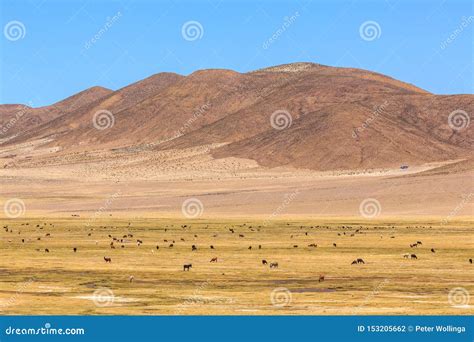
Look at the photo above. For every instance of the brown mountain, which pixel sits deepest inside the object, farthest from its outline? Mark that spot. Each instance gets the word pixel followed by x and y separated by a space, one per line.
pixel 17 119
pixel 325 118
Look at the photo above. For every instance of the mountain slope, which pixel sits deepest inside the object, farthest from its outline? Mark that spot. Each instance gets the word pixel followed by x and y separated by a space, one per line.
pixel 77 124
pixel 300 115
pixel 16 119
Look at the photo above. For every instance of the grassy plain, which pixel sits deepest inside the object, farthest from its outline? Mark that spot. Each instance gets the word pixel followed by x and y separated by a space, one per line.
pixel 33 281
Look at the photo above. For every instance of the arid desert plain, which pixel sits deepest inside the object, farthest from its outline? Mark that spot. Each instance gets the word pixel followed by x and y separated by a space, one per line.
pixel 184 195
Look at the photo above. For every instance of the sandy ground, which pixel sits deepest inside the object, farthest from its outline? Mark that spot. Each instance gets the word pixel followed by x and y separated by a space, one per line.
pixel 57 201
pixel 431 196
pixel 48 181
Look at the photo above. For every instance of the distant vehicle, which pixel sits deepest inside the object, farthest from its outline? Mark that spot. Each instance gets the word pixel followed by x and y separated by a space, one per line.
pixel 404 167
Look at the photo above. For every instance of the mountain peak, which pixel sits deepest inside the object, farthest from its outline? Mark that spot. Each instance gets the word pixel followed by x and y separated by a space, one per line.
pixel 285 115
pixel 290 67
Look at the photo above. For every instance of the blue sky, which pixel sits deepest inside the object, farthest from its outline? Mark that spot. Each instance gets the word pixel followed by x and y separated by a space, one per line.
pixel 48 51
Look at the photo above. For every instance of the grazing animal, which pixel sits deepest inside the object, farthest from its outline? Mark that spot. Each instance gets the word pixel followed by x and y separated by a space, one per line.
pixel 419 242
pixel 187 267
pixel 157 247
pixel 273 265
pixel 413 256
pixel 295 246
pixel 312 245
pixel 470 261
pixel 432 250
pixel 194 248
pixel 334 245
pixel 264 262
pixel 171 245
pixel 360 261
pixel 259 246
pixel 354 262
pixel 406 256
pixel 74 249
pixel 321 278
pixel 107 260
pixel 211 247
pixel 46 250
pixel 214 259
pixel 131 279
pixel 241 235
pixel 250 247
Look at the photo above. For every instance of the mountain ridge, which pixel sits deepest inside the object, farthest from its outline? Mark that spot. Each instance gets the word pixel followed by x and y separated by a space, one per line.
pixel 326 107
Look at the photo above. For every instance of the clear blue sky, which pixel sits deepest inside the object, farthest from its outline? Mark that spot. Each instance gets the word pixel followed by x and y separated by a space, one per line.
pixel 55 58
